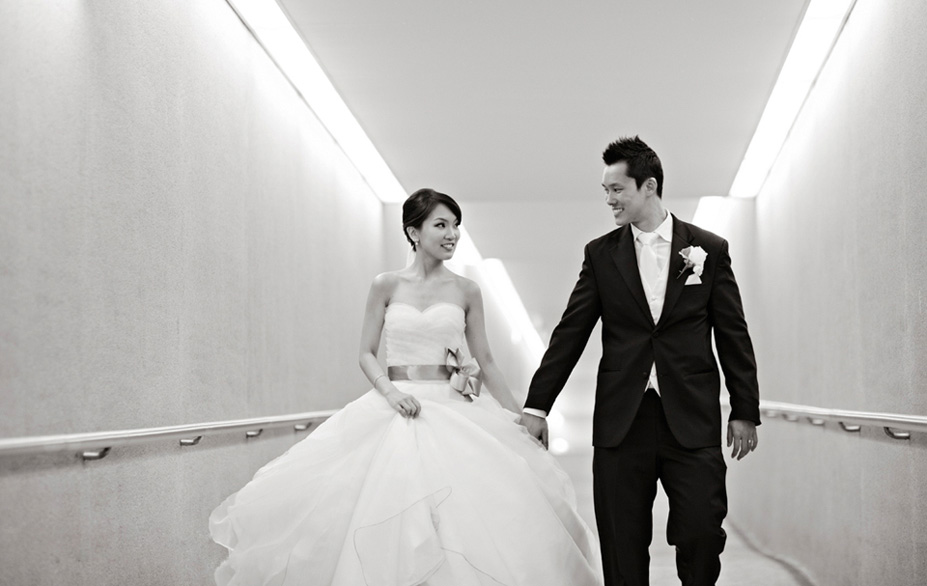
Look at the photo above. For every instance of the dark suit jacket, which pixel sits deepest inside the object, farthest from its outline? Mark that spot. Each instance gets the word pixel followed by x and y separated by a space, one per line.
pixel 609 287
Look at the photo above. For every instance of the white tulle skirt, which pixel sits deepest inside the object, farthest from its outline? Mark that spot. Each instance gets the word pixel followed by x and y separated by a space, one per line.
pixel 459 496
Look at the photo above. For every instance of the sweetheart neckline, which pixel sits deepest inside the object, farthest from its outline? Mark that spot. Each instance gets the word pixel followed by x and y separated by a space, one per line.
pixel 391 304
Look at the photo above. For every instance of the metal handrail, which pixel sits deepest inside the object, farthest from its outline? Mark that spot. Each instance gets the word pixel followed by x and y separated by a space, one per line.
pixel 894 425
pixel 96 445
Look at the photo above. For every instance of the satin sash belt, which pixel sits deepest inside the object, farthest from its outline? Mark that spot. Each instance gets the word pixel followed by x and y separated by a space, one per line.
pixel 419 372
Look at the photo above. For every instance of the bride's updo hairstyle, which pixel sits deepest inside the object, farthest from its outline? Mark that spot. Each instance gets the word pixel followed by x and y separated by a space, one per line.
pixel 421 203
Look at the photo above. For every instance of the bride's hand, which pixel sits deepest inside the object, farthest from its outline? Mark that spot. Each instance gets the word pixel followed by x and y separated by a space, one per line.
pixel 406 405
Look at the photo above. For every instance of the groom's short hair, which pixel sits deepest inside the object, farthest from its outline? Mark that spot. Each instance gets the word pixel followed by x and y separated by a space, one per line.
pixel 643 163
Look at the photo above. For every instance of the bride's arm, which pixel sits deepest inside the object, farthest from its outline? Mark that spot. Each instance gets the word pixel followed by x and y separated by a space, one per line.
pixel 479 348
pixel 374 315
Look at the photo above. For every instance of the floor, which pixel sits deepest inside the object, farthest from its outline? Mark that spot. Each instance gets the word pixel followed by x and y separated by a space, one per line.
pixel 740 563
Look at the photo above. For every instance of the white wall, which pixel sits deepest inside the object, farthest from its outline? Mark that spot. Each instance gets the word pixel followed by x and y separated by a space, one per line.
pixel 836 296
pixel 180 241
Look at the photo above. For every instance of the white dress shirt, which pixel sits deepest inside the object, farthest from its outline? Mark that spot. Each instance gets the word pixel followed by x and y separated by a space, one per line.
pixel 655 285
pixel 656 292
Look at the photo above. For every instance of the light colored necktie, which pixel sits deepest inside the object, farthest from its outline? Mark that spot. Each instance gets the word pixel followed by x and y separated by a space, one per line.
pixel 650 269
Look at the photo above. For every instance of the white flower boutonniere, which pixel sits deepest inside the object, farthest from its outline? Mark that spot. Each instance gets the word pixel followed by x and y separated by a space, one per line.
pixel 695 259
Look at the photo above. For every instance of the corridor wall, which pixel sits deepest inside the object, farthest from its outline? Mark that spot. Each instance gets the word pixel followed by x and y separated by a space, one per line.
pixel 180 241
pixel 836 293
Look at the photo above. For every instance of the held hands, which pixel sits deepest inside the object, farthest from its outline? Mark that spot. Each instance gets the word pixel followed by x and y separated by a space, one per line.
pixel 742 435
pixel 406 405
pixel 537 427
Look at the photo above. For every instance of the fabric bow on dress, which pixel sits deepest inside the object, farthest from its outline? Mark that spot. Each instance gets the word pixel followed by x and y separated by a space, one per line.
pixel 465 376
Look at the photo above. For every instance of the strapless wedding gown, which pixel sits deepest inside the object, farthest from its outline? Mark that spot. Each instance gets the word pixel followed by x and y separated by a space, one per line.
pixel 459 496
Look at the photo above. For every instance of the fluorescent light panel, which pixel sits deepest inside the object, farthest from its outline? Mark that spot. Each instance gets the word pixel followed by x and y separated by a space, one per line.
pixel 816 35
pixel 276 34
pixel 713 214
pixel 523 331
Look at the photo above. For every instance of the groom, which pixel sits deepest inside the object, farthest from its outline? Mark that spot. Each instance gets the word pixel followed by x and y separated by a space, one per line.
pixel 661 288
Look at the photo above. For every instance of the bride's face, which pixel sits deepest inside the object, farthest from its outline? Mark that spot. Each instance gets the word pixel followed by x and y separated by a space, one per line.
pixel 439 233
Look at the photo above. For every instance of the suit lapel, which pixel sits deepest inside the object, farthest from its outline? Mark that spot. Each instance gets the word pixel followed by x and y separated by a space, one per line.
pixel 622 252
pixel 676 279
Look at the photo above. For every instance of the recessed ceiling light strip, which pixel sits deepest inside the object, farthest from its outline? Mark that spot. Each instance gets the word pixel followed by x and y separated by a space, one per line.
pixel 273 30
pixel 817 34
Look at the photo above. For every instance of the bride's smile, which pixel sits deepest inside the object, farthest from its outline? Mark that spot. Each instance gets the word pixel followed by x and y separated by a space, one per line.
pixel 438 234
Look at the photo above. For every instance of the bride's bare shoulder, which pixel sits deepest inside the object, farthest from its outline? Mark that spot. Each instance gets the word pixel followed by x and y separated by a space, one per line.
pixel 470 289
pixel 385 283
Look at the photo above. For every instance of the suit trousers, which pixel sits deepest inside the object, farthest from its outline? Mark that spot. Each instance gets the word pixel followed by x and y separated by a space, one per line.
pixel 625 485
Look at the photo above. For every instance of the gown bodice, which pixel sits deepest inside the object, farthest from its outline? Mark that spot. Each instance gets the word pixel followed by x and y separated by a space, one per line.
pixel 415 336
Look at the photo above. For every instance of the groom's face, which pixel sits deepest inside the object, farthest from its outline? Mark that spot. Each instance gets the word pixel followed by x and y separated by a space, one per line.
pixel 628 203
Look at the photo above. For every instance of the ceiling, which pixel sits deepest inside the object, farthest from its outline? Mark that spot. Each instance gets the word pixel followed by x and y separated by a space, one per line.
pixel 507 106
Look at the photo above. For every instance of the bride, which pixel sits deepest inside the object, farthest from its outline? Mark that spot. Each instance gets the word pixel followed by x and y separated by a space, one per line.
pixel 424 480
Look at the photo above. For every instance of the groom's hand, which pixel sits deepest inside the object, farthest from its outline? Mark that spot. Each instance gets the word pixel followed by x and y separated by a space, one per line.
pixel 742 435
pixel 537 427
